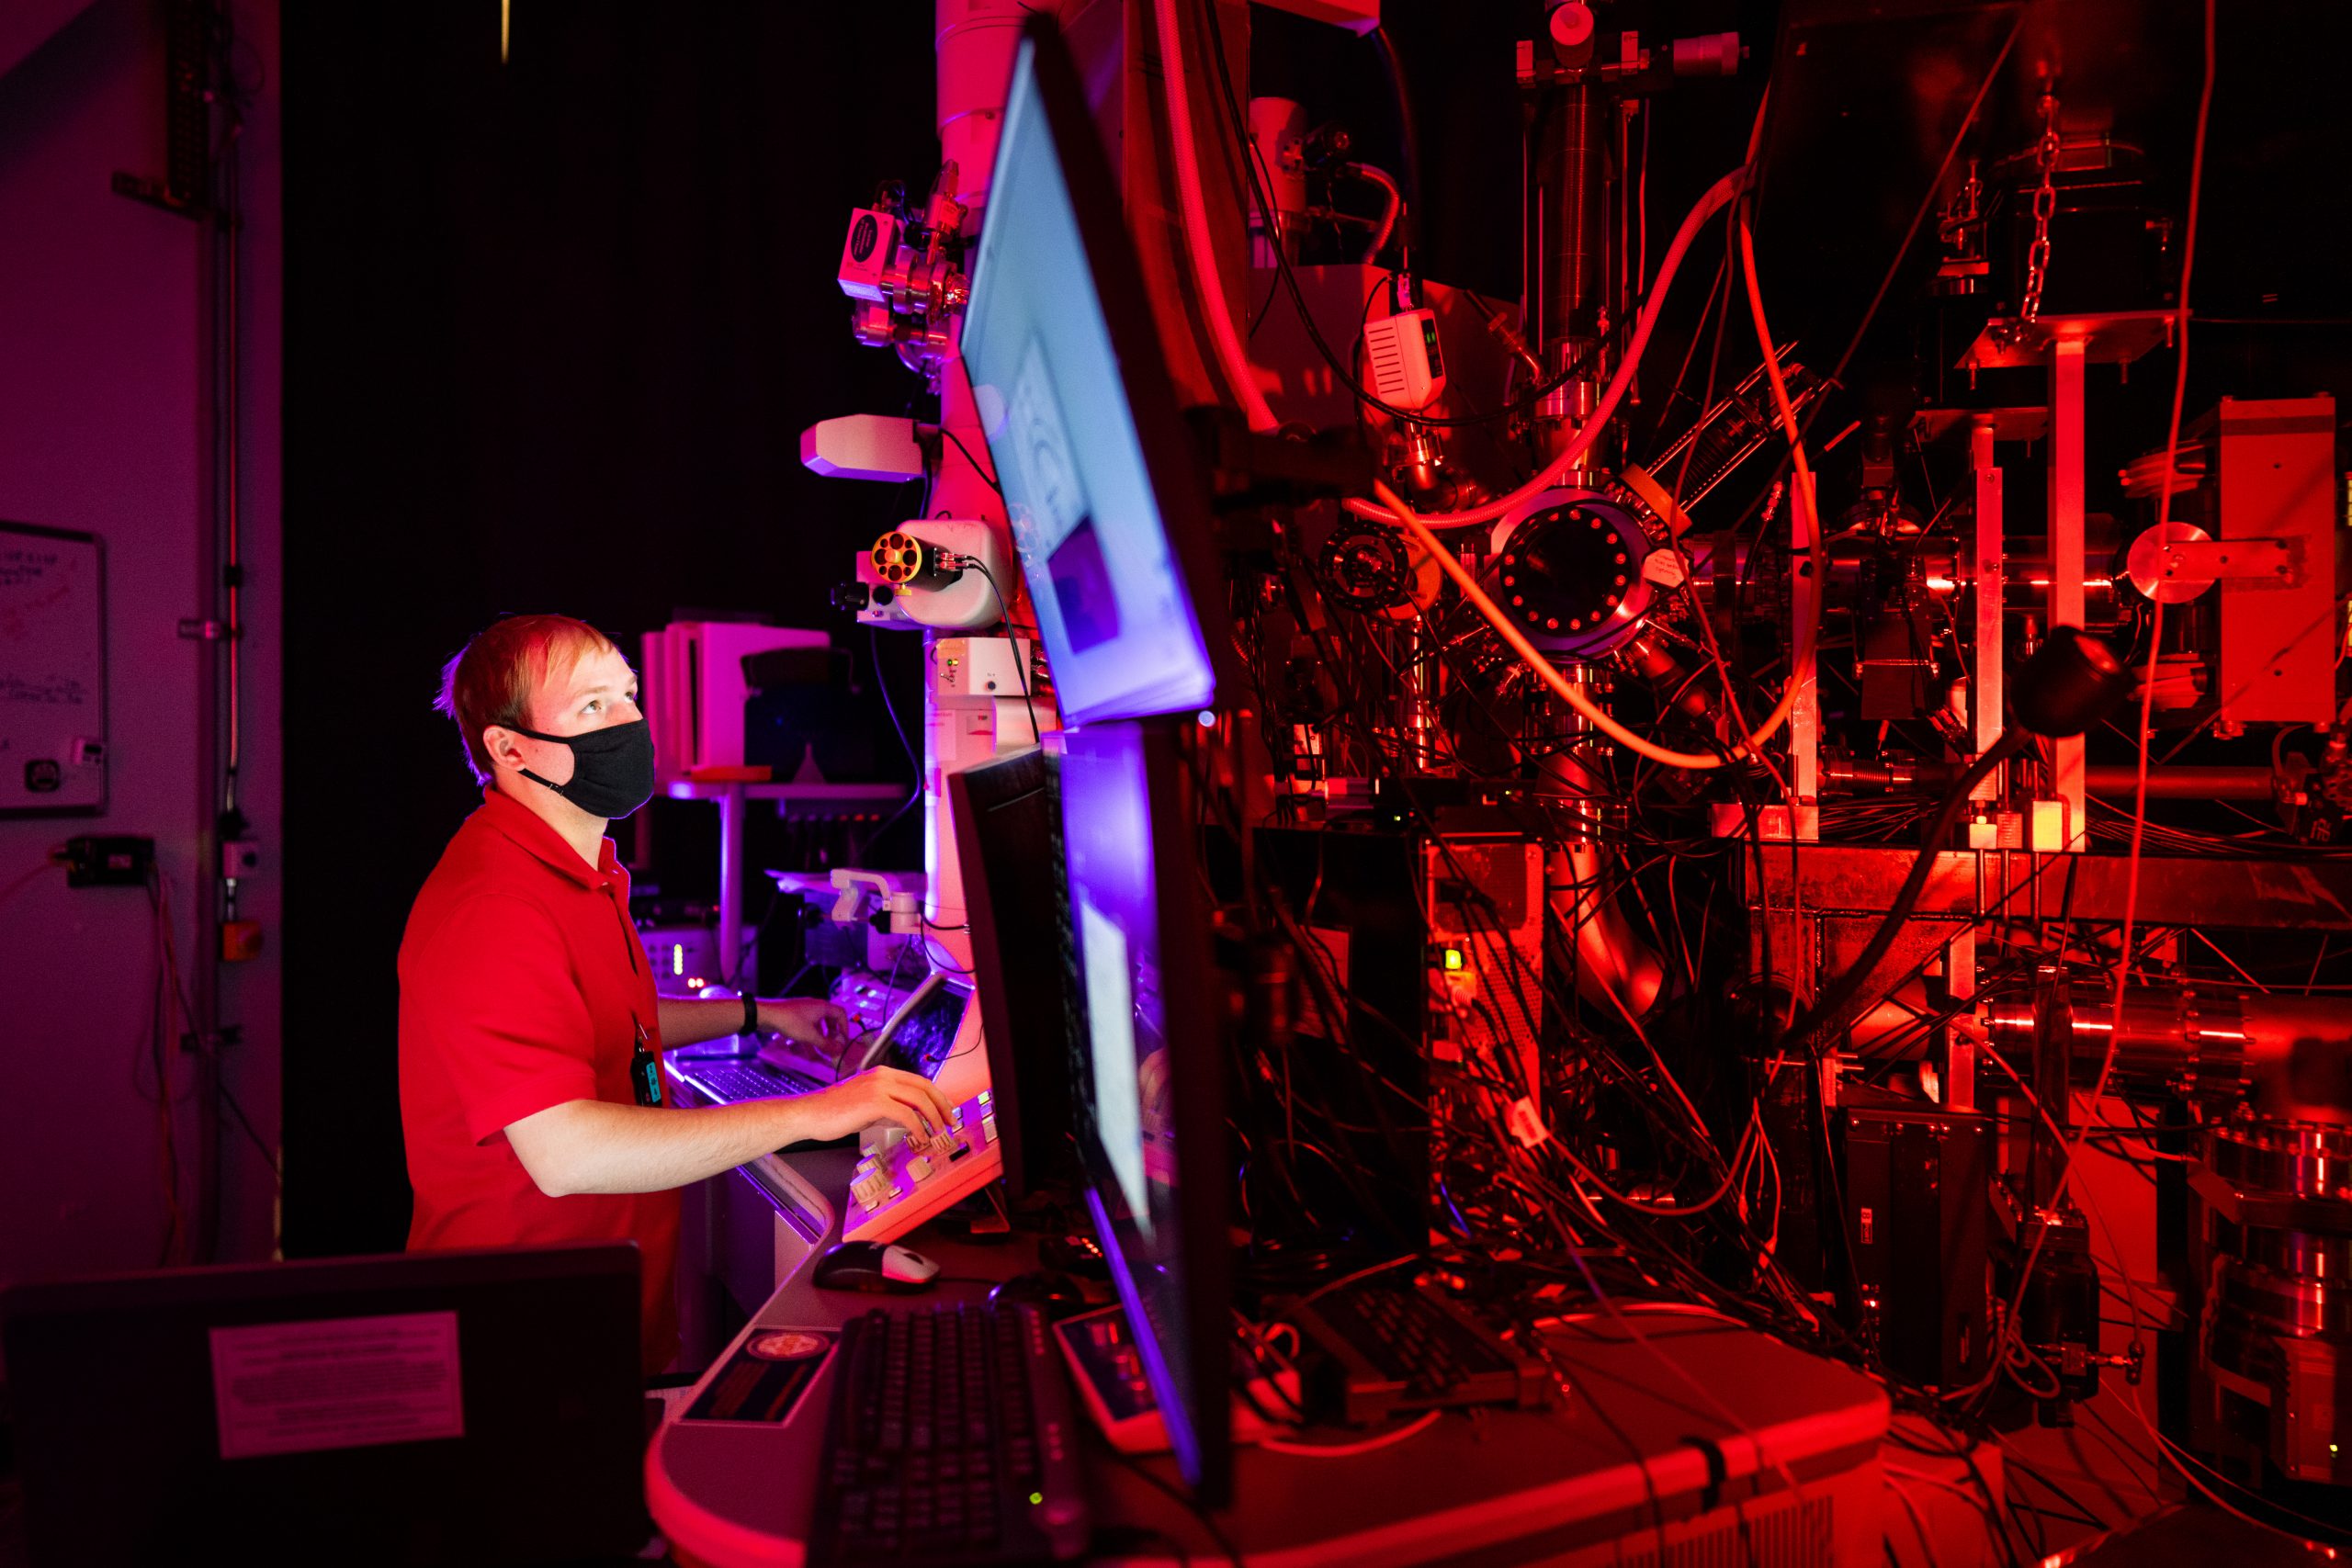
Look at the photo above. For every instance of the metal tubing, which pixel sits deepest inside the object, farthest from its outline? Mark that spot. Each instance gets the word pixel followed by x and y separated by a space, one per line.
pixel 2295 1052
pixel 2115 780
pixel 1611 960
pixel 2299 1050
pixel 2250 781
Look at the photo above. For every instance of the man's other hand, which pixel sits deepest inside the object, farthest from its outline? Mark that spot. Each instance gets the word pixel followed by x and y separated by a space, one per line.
pixel 879 1094
pixel 811 1021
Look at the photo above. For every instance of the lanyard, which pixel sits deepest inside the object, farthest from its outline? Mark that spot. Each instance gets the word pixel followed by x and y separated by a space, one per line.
pixel 644 1068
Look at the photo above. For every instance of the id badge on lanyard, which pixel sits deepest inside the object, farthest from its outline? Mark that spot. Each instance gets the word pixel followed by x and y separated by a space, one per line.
pixel 644 1069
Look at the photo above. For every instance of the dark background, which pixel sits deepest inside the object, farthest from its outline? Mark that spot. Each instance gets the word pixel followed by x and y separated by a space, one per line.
pixel 553 328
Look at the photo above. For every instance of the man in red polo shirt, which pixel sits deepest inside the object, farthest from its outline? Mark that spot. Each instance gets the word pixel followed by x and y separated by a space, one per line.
pixel 530 1032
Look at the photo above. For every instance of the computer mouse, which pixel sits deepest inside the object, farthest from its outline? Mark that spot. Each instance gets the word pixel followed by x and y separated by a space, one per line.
pixel 871 1265
pixel 1049 1289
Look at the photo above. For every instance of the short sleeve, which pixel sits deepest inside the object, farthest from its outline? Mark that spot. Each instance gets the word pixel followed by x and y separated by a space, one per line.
pixel 504 1013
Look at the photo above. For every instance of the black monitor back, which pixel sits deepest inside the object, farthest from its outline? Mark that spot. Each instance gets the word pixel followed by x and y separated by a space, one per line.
pixel 1008 839
pixel 119 1383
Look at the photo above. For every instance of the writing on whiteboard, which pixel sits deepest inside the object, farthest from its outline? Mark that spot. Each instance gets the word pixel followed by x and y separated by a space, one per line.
pixel 42 574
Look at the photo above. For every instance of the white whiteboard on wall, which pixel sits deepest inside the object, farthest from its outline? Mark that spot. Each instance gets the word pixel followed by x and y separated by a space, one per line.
pixel 52 671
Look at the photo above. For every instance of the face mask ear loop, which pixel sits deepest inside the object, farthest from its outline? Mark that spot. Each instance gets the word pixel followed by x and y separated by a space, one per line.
pixel 546 783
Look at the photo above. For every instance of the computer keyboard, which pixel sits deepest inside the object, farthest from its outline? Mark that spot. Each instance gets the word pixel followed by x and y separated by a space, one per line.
pixel 746 1079
pixel 951 1441
pixel 1384 1350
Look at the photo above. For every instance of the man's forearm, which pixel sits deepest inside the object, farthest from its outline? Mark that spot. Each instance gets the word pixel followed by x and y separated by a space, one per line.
pixel 593 1146
pixel 690 1020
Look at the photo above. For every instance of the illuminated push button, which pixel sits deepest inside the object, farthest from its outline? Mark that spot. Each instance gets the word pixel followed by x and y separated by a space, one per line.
pixel 988 1129
pixel 982 1097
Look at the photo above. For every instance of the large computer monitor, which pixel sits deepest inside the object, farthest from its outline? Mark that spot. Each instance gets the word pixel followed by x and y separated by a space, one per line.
pixel 1099 481
pixel 1149 1108
pixel 1009 842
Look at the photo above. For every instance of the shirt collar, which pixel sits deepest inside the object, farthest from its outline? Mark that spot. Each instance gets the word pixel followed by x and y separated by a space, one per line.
pixel 531 830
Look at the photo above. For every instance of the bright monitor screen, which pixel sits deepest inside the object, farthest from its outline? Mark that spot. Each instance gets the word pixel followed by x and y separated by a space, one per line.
pixel 1063 388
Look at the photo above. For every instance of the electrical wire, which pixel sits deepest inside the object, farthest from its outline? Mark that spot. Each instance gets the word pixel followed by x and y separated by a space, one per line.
pixel 1186 1501
pixel 1373 176
pixel 2070 1150
pixel 1207 282
pixel 1543 668
pixel 175 990
pixel 1287 278
pixel 1715 198
pixel 1348 1450
pixel 1020 659
pixel 988 475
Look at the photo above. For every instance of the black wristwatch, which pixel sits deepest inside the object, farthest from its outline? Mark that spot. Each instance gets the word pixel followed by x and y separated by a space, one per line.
pixel 750 1013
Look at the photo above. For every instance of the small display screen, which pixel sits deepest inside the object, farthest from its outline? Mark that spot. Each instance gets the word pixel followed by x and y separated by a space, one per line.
pixel 926 1036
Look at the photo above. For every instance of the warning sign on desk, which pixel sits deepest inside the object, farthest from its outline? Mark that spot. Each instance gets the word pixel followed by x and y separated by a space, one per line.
pixel 345 1383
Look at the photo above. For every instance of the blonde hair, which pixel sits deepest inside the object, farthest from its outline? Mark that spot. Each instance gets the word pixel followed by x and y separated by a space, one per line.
pixel 491 679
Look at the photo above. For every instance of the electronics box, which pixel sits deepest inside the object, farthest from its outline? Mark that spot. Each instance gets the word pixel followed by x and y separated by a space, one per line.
pixel 694 689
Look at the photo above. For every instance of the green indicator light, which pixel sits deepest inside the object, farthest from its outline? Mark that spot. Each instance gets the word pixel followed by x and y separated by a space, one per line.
pixel 1454 958
pixel 1036 1498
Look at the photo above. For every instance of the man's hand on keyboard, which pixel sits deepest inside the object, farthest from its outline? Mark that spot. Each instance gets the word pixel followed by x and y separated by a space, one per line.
pixel 879 1094
pixel 811 1021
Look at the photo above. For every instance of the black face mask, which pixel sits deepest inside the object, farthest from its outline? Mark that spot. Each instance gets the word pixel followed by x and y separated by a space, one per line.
pixel 612 769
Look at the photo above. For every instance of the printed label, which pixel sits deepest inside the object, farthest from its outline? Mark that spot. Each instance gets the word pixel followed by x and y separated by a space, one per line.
pixel 347 1383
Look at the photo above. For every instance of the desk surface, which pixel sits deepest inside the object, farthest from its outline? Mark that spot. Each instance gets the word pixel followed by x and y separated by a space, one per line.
pixel 1619 1455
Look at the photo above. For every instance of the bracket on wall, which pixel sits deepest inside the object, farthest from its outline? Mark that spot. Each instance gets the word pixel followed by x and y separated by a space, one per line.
pixel 157 194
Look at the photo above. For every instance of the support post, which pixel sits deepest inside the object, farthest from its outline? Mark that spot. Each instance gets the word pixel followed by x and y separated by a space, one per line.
pixel 2068 357
pixel 1986 676
pixel 731 808
pixel 1804 714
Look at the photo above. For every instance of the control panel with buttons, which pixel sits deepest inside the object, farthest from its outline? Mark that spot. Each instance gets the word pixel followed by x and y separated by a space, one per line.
pixel 903 1183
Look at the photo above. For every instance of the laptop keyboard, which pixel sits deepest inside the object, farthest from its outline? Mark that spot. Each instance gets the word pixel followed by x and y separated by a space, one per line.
pixel 732 1081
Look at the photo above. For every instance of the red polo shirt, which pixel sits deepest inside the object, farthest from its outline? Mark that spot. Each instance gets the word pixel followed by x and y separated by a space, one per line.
pixel 522 986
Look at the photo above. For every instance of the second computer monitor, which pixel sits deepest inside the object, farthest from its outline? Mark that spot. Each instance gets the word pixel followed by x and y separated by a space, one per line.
pixel 1150 1113
pixel 1008 844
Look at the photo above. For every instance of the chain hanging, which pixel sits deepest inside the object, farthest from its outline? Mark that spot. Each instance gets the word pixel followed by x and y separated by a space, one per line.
pixel 2046 203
